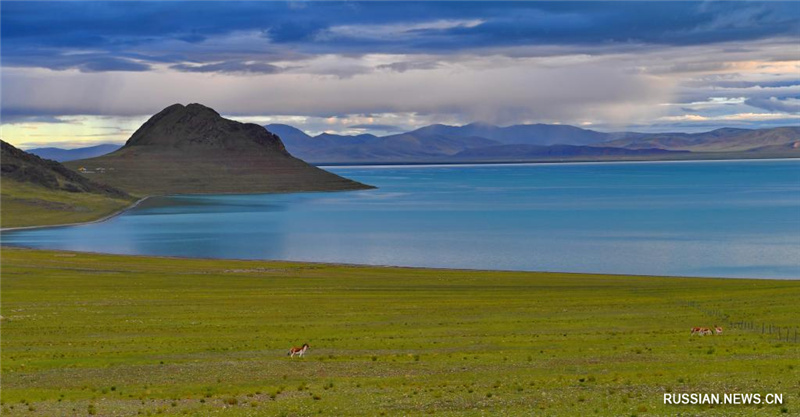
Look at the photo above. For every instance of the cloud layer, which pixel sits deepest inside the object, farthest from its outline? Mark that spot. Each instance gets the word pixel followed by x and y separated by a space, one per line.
pixel 609 65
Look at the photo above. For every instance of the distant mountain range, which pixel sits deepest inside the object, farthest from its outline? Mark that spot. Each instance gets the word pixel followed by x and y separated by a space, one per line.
pixel 63 155
pixel 534 152
pixel 481 142
pixel 720 140
pixel 429 143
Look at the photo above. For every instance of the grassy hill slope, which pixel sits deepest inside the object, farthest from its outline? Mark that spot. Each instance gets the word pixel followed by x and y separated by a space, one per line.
pixel 37 192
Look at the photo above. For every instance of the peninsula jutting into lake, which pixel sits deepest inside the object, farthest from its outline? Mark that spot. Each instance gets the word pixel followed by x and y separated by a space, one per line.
pixel 192 149
pixel 180 150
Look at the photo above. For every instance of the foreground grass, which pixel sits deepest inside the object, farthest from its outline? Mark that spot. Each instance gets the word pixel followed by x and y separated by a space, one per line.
pixel 30 205
pixel 118 335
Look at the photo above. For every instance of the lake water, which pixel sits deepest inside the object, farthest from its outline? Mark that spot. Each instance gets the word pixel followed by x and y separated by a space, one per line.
pixel 719 219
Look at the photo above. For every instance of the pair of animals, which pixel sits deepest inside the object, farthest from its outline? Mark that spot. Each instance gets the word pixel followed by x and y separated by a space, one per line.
pixel 300 351
pixel 702 331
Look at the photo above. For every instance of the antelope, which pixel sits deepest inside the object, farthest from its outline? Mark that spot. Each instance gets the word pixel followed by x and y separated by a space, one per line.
pixel 300 351
pixel 702 331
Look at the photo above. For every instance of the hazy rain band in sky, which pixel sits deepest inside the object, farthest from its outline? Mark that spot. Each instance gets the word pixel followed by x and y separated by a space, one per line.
pixel 91 72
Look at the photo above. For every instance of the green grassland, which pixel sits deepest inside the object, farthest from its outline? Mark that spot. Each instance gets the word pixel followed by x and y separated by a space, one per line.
pixel 121 335
pixel 23 205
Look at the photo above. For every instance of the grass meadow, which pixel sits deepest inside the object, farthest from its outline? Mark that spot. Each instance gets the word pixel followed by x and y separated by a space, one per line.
pixel 106 335
pixel 30 205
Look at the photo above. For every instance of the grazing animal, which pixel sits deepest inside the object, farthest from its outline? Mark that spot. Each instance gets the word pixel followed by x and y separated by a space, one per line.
pixel 300 351
pixel 718 329
pixel 702 331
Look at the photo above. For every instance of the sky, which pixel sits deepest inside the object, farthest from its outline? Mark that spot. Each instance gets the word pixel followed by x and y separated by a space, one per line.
pixel 82 73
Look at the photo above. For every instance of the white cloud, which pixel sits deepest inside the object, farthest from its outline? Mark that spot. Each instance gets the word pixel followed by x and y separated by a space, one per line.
pixel 395 31
pixel 749 117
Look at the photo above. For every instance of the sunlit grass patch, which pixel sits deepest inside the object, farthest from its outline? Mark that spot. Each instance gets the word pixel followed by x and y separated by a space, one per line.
pixel 137 335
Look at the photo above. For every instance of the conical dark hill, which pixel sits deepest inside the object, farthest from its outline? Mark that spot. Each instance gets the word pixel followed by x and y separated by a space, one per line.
pixel 193 150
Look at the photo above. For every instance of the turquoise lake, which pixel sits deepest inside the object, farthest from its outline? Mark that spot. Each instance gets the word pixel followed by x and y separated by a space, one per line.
pixel 716 219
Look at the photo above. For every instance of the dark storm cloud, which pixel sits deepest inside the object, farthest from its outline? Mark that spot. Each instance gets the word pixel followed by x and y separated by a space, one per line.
pixel 231 67
pixel 775 104
pixel 12 119
pixel 176 31
pixel 408 66
pixel 85 62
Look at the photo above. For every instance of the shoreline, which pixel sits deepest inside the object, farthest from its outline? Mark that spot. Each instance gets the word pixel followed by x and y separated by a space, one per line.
pixel 141 200
pixel 422 268
pixel 541 162
pixel 100 220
